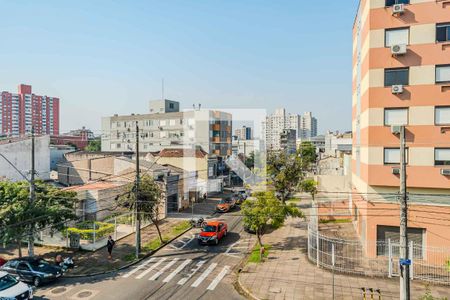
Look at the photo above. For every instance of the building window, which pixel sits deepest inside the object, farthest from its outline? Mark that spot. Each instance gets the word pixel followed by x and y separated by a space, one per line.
pixel 171 106
pixel 442 115
pixel 396 76
pixel 118 146
pixel 443 74
pixel 392 156
pixel 392 2
pixel 442 157
pixel 395 116
pixel 396 37
pixel 162 123
pixel 172 122
pixel 443 32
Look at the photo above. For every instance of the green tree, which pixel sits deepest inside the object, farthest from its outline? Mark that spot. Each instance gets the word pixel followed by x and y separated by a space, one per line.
pixel 285 173
pixel 50 210
pixel 149 202
pixel 307 153
pixel 266 211
pixel 94 146
pixel 309 186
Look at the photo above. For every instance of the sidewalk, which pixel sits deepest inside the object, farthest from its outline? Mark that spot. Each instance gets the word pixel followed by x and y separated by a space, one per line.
pixel 288 274
pixel 88 262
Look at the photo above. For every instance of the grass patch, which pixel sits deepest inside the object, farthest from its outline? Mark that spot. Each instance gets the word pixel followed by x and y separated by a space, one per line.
pixel 180 228
pixel 337 221
pixel 255 257
pixel 175 231
pixel 129 257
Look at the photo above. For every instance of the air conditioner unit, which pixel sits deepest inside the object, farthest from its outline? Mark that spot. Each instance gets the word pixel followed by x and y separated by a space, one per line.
pixel 398 9
pixel 398 49
pixel 396 129
pixel 396 171
pixel 397 89
pixel 445 172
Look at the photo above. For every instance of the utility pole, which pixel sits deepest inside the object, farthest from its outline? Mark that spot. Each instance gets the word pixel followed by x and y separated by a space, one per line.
pixel 404 268
pixel 136 205
pixel 32 195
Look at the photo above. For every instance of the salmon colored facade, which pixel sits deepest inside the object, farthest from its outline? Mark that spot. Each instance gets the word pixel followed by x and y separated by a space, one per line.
pixel 423 108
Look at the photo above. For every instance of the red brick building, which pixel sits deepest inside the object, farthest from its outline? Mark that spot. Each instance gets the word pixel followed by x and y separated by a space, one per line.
pixel 19 112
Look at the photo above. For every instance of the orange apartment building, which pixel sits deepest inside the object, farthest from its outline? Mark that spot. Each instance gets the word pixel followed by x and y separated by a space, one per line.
pixel 401 76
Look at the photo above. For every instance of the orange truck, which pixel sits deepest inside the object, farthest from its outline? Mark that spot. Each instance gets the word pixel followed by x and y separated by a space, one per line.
pixel 212 232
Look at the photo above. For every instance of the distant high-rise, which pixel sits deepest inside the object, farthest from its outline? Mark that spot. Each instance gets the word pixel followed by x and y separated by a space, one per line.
pixel 244 133
pixel 276 123
pixel 308 126
pixel 18 112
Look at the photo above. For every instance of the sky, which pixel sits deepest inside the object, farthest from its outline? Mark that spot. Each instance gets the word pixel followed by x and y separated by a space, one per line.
pixel 106 57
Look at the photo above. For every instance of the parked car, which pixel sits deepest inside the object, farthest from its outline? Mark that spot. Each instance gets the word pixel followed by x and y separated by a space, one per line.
pixel 225 205
pixel 12 288
pixel 212 232
pixel 2 261
pixel 32 269
pixel 239 198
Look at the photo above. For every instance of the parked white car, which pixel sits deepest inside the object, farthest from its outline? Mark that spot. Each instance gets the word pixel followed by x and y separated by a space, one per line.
pixel 11 288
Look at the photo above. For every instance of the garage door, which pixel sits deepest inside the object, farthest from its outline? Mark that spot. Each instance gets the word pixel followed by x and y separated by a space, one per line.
pixel 384 233
pixel 172 203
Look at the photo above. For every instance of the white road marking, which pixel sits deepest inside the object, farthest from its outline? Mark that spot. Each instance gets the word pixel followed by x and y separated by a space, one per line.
pixel 190 240
pixel 231 247
pixel 159 273
pixel 138 267
pixel 219 277
pixel 194 270
pixel 151 268
pixel 177 270
pixel 204 275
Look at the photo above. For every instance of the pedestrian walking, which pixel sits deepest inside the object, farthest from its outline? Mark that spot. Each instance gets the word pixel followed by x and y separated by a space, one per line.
pixel 110 246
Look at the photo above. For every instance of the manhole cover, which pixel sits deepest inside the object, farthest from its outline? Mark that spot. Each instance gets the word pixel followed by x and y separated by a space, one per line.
pixel 59 290
pixel 84 294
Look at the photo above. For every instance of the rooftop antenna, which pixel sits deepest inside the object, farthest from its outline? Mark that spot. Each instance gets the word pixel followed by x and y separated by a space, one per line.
pixel 199 106
pixel 162 89
pixel 193 106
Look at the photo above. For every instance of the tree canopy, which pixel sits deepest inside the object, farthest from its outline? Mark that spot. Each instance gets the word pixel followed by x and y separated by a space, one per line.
pixel 266 211
pixel 94 146
pixel 50 210
pixel 149 202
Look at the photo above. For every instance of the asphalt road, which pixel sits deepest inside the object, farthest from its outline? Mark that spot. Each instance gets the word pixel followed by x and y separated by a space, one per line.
pixel 181 270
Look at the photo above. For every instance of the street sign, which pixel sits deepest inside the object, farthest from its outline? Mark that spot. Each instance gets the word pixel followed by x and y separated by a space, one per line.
pixel 405 262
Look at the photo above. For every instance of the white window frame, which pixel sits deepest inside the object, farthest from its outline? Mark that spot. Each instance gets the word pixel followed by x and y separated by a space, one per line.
pixel 444 156
pixel 445 114
pixel 393 162
pixel 395 38
pixel 443 74
pixel 403 120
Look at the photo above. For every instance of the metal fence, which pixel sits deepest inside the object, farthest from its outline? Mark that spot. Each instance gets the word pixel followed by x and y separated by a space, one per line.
pixel 92 234
pixel 377 258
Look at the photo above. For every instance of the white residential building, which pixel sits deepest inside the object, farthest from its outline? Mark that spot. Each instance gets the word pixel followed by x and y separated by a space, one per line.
pixel 275 124
pixel 166 127
pixel 308 126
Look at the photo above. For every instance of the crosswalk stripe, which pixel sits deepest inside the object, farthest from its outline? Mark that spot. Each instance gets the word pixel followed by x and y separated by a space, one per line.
pixel 177 270
pixel 151 268
pixel 194 270
pixel 204 275
pixel 156 275
pixel 138 267
pixel 219 277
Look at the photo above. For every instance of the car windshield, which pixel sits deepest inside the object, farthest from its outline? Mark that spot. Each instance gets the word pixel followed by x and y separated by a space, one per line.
pixel 39 264
pixel 229 200
pixel 7 281
pixel 209 228
pixel 223 201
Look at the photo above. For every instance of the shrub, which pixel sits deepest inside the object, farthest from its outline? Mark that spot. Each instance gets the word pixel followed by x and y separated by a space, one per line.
pixel 86 230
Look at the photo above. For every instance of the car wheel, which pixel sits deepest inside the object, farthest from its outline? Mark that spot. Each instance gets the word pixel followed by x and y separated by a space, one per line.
pixel 37 281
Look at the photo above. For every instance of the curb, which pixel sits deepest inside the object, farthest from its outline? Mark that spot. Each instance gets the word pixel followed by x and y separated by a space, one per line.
pixel 239 287
pixel 129 264
pixel 243 290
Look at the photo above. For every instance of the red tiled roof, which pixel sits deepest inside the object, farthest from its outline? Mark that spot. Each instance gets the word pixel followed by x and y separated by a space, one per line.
pixel 198 153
